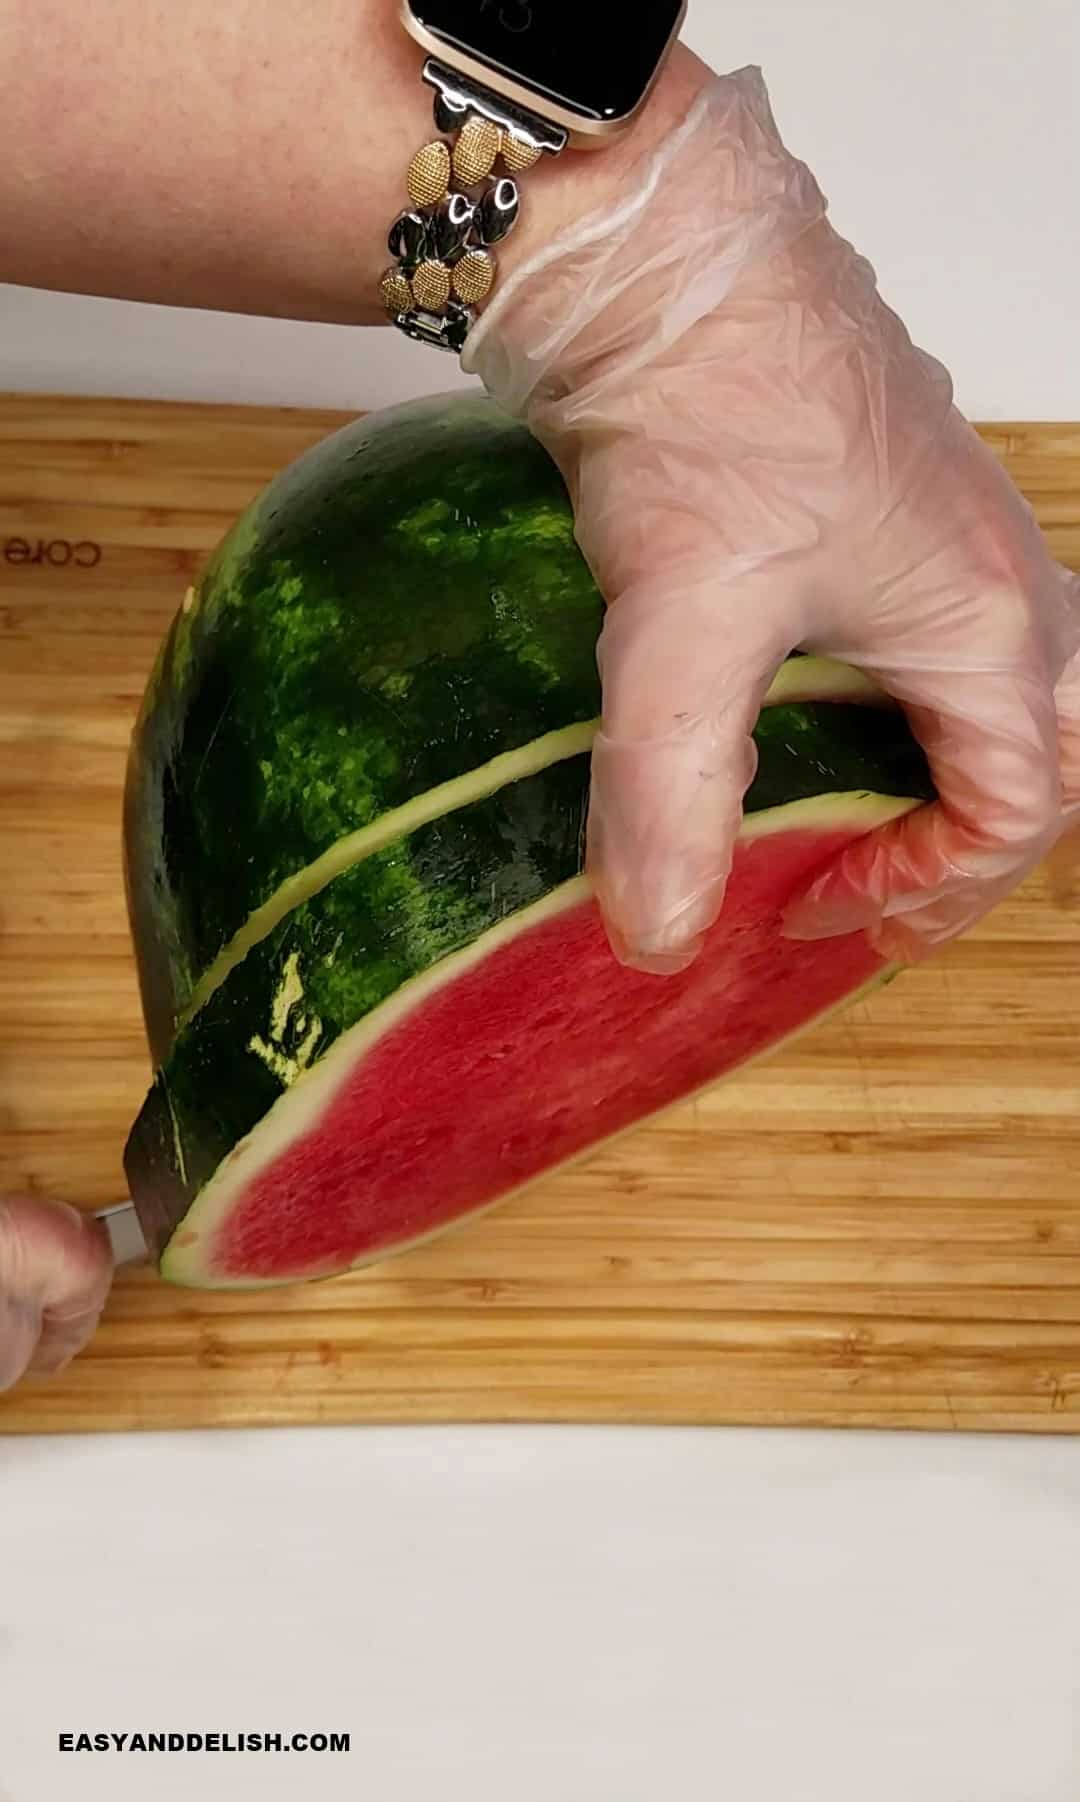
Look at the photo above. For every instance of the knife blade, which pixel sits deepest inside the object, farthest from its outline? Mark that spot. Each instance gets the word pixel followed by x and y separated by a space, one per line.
pixel 121 1222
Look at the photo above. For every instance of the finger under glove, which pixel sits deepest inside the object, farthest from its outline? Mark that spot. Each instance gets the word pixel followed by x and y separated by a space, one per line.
pixel 675 756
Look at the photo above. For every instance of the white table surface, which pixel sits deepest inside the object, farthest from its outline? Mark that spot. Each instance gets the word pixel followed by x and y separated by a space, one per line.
pixel 589 1616
pixel 545 1615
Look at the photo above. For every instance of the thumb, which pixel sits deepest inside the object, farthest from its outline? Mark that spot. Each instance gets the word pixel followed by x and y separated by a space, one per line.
pixel 685 666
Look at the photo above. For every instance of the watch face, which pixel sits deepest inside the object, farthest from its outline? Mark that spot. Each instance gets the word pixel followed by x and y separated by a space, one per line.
pixel 595 57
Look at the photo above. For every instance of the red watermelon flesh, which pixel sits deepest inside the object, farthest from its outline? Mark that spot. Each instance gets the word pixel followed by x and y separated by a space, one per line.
pixel 516 1056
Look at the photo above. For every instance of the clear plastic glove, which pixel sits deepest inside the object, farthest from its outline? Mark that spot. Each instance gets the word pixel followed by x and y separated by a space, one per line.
pixel 760 460
pixel 55 1271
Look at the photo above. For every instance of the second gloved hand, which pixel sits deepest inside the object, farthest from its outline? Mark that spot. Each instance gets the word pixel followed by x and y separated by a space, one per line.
pixel 760 460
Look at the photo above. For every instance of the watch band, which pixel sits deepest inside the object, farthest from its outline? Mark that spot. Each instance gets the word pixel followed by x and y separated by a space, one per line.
pixel 460 207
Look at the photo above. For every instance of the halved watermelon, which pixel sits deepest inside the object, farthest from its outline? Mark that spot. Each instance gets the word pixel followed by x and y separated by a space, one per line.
pixel 376 984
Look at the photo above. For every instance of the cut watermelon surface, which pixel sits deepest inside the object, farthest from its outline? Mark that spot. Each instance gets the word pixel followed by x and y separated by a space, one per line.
pixel 381 1003
pixel 513 1057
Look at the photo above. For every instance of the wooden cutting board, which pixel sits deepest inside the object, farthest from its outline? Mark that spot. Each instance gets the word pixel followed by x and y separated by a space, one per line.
pixel 880 1226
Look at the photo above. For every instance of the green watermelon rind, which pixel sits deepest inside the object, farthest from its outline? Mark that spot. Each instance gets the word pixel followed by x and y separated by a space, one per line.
pixel 398 823
pixel 805 679
pixel 358 639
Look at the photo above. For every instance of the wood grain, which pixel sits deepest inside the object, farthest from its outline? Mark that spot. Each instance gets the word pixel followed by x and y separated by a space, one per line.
pixel 881 1226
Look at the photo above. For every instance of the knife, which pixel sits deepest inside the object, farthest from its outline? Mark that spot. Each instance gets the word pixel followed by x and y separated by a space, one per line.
pixel 121 1222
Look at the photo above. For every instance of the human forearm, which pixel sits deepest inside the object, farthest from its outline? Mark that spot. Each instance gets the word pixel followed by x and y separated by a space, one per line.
pixel 247 157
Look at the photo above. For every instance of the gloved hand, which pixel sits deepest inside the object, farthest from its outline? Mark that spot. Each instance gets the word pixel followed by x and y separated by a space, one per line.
pixel 55 1271
pixel 760 460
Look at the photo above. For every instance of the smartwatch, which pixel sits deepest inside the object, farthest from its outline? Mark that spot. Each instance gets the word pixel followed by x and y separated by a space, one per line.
pixel 513 80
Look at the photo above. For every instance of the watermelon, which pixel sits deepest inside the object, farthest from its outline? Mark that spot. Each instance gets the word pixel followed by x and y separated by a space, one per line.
pixel 377 988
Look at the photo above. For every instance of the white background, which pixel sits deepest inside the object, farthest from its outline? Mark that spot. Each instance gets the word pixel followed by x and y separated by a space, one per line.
pixel 576 1616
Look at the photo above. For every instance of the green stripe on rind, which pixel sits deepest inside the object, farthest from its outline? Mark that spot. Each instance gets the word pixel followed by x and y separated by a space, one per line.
pixel 436 803
pixel 386 919
pixel 800 679
pixel 299 1105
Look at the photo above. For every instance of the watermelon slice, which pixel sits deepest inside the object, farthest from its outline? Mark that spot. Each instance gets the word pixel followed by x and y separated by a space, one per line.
pixel 376 984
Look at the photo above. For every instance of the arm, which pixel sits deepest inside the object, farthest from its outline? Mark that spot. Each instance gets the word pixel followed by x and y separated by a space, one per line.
pixel 246 156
